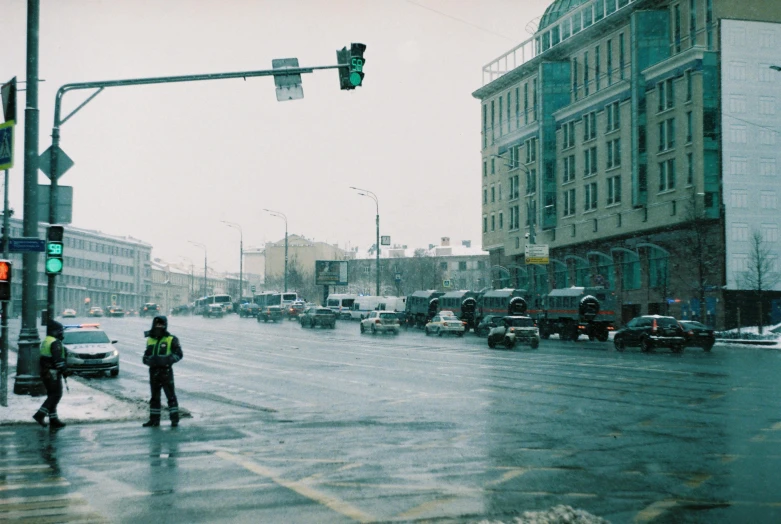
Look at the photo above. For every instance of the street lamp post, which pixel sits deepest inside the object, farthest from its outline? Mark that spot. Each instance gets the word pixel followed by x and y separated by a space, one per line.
pixel 283 217
pixel 241 257
pixel 367 193
pixel 204 263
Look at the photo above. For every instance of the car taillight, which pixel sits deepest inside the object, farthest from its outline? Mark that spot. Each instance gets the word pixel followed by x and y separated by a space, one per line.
pixel 444 324
pixel 653 328
pixel 377 321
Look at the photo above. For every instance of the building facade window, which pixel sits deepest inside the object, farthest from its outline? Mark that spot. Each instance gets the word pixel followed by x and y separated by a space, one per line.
pixel 590 193
pixel 590 161
pixel 739 198
pixel 515 191
pixel 609 64
pixel 531 150
pixel 667 175
pixel 614 190
pixel 689 87
pixel 768 199
pixel 589 126
pixel 585 74
pixel 531 181
pixel 569 169
pixel 666 130
pixel 501 220
pixel 666 94
pixel 613 114
pixel 689 168
pixel 613 153
pixel 569 202
pixel 689 127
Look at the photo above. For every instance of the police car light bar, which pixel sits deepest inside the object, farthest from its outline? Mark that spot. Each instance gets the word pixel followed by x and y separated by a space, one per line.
pixel 76 326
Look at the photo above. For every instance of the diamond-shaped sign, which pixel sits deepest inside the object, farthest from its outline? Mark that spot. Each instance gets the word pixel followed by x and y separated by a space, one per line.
pixel 63 162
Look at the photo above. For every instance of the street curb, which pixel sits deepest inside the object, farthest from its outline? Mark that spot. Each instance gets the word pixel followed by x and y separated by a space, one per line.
pixel 747 342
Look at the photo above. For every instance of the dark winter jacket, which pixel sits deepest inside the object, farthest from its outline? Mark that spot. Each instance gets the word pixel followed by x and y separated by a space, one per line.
pixel 163 350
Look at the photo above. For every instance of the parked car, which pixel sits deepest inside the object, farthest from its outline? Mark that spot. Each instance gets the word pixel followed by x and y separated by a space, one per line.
pixel 511 330
pixel 95 312
pixel 182 309
pixel 214 311
pixel 318 316
pixel 649 332
pixel 698 334
pixel 115 311
pixel 249 309
pixel 89 350
pixel 150 309
pixel 484 326
pixel 445 322
pixel 69 313
pixel 381 322
pixel 270 313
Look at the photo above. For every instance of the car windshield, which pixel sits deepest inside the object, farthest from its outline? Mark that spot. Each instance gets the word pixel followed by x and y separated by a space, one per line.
pixel 666 322
pixel 388 315
pixel 323 312
pixel 449 319
pixel 520 322
pixel 86 337
pixel 693 324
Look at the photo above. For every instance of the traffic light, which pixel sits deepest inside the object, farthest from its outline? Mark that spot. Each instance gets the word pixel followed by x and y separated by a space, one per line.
pixel 351 75
pixel 5 279
pixel 54 250
pixel 356 64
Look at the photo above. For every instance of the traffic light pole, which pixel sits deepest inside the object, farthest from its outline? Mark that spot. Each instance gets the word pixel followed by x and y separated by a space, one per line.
pixel 29 305
pixel 4 321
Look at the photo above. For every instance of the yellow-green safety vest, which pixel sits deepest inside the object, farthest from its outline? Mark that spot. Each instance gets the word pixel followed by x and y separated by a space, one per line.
pixel 46 347
pixel 162 347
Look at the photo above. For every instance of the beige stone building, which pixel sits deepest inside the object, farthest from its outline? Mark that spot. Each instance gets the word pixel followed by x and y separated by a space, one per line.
pixel 638 140
pixel 301 251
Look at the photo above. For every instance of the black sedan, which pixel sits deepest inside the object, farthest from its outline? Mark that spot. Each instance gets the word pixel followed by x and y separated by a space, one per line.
pixel 484 327
pixel 698 334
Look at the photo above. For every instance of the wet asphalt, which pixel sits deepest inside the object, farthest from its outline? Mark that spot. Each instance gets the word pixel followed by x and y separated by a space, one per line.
pixel 301 425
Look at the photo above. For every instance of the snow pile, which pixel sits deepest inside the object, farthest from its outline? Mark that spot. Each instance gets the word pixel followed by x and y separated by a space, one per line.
pixel 556 515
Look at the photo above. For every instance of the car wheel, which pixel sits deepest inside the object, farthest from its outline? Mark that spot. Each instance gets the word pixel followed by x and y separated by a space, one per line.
pixel 461 334
pixel 707 347
pixel 618 342
pixel 439 332
pixel 491 343
pixel 427 332
pixel 535 343
pixel 363 329
pixel 602 336
pixel 509 343
pixel 374 330
pixel 115 372
pixel 645 345
pixel 544 334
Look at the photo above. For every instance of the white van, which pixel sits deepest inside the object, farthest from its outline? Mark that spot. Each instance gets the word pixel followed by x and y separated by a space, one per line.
pixel 340 303
pixel 363 305
pixel 397 304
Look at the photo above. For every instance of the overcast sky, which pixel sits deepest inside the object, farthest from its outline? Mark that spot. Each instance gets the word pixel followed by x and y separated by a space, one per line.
pixel 167 163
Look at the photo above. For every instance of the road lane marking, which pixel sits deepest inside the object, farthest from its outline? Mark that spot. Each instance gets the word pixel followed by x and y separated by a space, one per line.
pixel 53 483
pixel 654 510
pixel 331 502
pixel 20 469
pixel 424 508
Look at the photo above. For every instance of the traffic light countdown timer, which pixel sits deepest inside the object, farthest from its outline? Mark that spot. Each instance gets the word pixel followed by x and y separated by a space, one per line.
pixel 352 76
pixel 5 279
pixel 54 250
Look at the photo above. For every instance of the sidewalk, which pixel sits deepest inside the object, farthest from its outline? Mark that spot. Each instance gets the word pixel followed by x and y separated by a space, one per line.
pixel 80 404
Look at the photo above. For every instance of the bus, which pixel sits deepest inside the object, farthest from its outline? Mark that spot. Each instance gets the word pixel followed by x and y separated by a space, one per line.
pixel 223 300
pixel 268 298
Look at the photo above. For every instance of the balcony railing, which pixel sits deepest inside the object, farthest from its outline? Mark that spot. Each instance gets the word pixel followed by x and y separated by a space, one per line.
pixel 565 27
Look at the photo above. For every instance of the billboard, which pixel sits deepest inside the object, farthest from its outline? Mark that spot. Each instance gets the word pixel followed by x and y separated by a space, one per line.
pixel 330 272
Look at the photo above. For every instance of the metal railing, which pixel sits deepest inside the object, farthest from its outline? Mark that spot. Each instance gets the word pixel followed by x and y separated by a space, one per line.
pixel 565 27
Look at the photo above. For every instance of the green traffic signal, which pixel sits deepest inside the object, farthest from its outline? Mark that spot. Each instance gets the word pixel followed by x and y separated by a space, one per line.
pixel 54 266
pixel 355 79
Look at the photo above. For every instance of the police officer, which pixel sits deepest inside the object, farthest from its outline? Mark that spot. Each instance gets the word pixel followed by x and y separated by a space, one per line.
pixel 53 368
pixel 162 352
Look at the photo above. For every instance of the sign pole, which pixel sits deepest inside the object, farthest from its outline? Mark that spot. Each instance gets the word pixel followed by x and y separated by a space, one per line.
pixel 4 321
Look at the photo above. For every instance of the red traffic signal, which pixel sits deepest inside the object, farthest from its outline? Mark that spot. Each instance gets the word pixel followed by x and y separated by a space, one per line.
pixel 5 279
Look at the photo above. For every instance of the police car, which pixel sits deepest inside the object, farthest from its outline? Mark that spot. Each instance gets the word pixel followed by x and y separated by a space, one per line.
pixel 89 350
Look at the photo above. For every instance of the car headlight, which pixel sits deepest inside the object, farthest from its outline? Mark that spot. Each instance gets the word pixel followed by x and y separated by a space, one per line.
pixel 113 353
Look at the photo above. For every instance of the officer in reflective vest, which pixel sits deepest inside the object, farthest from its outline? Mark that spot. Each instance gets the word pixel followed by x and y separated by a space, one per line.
pixel 162 352
pixel 53 368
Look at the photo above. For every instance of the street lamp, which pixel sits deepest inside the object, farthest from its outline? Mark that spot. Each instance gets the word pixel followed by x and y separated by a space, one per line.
pixel 204 264
pixel 367 193
pixel 283 217
pixel 241 256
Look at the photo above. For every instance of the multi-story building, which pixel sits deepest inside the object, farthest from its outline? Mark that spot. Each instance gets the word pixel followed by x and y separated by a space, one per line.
pixel 301 252
pixel 171 286
pixel 638 140
pixel 99 270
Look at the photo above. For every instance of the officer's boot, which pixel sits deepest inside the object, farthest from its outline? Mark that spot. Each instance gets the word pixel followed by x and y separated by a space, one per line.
pixel 55 423
pixel 40 418
pixel 174 411
pixel 153 422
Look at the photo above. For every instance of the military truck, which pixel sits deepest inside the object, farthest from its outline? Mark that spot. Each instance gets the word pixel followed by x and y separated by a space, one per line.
pixel 574 311
pixel 503 302
pixel 463 304
pixel 422 306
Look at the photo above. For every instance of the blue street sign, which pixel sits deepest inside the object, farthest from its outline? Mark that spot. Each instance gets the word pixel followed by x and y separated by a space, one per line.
pixel 26 245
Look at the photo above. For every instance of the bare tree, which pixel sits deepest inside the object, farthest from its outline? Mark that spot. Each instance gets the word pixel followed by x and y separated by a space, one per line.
pixel 700 252
pixel 761 274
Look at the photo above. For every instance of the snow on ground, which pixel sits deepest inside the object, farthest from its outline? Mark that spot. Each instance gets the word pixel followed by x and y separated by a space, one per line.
pixel 80 404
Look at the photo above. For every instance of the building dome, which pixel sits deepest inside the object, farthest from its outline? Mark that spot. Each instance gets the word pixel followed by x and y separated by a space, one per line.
pixel 556 10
